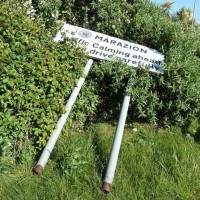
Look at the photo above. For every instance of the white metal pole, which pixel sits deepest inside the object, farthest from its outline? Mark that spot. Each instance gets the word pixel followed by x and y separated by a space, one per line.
pixel 110 172
pixel 54 137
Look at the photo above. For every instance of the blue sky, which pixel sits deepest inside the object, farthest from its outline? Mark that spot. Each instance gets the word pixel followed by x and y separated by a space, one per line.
pixel 183 3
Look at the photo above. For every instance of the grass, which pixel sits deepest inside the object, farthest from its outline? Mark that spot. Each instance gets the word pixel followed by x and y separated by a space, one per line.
pixel 153 164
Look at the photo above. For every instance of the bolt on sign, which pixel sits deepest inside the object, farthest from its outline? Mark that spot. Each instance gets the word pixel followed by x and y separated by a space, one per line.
pixel 104 47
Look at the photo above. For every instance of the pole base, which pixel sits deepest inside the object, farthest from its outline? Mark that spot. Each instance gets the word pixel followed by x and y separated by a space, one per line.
pixel 37 170
pixel 106 188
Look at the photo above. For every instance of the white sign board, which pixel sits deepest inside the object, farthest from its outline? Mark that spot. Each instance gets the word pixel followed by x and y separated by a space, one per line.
pixel 105 47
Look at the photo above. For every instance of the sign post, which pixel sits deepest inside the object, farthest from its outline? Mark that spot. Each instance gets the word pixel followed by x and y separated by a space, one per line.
pixel 61 122
pixel 104 47
pixel 112 164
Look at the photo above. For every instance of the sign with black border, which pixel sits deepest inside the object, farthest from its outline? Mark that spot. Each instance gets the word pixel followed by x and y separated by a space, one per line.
pixel 105 47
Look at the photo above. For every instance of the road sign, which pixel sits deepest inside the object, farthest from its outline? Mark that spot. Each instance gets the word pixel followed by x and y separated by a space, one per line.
pixel 105 47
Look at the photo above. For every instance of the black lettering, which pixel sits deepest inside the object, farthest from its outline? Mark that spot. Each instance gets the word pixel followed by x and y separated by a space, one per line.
pixel 158 62
pixel 101 47
pixel 136 48
pixel 109 50
pixel 105 54
pixel 98 38
pixel 140 57
pixel 113 42
pixel 125 46
pixel 92 51
pixel 106 40
pixel 95 45
pixel 127 54
pixel 157 67
pixel 119 44
pixel 121 53
pixel 134 62
pixel 97 52
pixel 143 50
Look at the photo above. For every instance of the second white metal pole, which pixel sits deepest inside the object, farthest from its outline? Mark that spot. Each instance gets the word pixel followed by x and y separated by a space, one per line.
pixel 110 172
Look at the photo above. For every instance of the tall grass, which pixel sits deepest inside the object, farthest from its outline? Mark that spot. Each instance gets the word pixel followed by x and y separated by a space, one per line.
pixel 153 164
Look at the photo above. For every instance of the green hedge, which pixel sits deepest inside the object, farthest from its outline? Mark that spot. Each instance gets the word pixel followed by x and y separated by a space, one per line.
pixel 37 77
pixel 172 98
pixel 169 99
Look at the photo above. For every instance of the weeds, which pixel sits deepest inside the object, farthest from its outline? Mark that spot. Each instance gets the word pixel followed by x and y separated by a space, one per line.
pixel 153 164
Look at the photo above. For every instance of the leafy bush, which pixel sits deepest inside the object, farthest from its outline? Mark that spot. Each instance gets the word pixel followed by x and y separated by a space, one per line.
pixel 172 98
pixel 34 69
pixel 169 99
pixel 37 77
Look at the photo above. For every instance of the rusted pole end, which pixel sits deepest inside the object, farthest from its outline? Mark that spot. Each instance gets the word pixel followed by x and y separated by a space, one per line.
pixel 106 188
pixel 37 170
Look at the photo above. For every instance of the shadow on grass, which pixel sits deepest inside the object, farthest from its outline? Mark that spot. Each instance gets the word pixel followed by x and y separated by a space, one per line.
pixel 197 136
pixel 186 129
pixel 102 142
pixel 101 156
